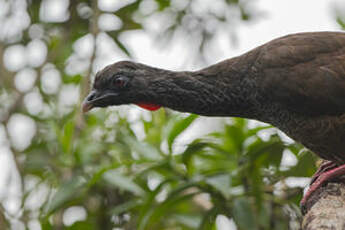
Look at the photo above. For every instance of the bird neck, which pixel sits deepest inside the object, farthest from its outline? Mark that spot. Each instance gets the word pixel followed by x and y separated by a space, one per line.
pixel 218 90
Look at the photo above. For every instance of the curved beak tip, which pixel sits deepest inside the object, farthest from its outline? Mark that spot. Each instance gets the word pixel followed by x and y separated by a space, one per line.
pixel 86 107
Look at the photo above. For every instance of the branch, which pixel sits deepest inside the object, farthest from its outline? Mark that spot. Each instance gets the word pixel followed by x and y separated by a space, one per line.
pixel 94 30
pixel 326 208
pixel 3 221
pixel 85 84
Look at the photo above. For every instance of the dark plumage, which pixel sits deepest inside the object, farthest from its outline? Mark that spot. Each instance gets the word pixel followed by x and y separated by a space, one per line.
pixel 296 83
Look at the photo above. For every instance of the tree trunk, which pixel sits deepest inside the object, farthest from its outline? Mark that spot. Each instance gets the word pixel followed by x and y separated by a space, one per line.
pixel 326 208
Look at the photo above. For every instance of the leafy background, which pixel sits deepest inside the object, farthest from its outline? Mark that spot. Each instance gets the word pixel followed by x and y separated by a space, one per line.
pixel 123 168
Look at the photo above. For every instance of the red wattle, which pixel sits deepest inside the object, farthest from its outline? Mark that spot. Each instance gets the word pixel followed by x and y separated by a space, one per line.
pixel 148 106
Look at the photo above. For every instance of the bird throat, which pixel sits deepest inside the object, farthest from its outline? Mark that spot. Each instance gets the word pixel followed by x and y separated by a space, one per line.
pixel 148 106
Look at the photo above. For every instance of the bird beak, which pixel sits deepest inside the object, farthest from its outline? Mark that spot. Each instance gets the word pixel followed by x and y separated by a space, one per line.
pixel 86 107
pixel 87 103
pixel 98 99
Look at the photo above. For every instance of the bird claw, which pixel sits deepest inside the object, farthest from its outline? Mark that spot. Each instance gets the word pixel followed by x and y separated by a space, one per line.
pixel 326 172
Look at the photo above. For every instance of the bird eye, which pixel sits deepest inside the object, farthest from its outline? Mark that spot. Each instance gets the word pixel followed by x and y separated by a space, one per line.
pixel 120 82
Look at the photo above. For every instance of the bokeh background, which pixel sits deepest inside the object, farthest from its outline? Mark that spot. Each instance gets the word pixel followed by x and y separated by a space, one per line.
pixel 126 168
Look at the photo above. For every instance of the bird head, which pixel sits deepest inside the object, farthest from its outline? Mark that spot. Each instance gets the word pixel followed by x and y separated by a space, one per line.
pixel 122 83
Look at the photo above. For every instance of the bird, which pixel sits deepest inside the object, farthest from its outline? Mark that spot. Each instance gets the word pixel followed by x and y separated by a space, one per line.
pixel 295 83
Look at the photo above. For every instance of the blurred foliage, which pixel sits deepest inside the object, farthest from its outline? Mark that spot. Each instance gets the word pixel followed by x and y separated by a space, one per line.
pixel 338 12
pixel 101 165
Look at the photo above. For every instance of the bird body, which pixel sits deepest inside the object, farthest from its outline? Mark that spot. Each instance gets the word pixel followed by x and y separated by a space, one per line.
pixel 296 83
pixel 303 76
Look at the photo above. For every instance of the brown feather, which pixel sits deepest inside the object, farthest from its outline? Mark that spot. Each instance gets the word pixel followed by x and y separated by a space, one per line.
pixel 296 83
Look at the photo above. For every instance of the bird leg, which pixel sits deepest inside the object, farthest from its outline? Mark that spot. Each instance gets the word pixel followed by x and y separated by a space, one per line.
pixel 326 172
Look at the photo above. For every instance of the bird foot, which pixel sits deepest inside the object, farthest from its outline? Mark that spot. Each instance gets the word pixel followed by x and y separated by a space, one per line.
pixel 326 172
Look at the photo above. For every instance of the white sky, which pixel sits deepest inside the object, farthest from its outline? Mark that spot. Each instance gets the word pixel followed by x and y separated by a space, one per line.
pixel 280 17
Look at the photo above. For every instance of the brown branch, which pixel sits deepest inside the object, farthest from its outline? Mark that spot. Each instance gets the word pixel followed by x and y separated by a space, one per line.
pixel 85 84
pixel 94 30
pixel 326 208
pixel 3 221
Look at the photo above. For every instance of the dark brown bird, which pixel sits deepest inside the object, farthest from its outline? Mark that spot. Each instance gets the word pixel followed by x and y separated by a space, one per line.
pixel 296 83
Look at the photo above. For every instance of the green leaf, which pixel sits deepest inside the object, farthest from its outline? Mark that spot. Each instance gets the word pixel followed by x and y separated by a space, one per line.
pixel 191 221
pixel 45 224
pixel 145 150
pixel 341 22
pixel 305 166
pixel 163 4
pixel 208 219
pixel 75 79
pixel 254 131
pixel 234 136
pixel 177 128
pixel 67 138
pixel 194 148
pixel 96 177
pixel 125 14
pixel 220 182
pixel 256 184
pixel 243 214
pixel 125 207
pixel 264 216
pixel 149 204
pixel 266 153
pixel 152 212
pixel 166 208
pixel 66 192
pixel 113 177
pixel 122 46
pixel 82 225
